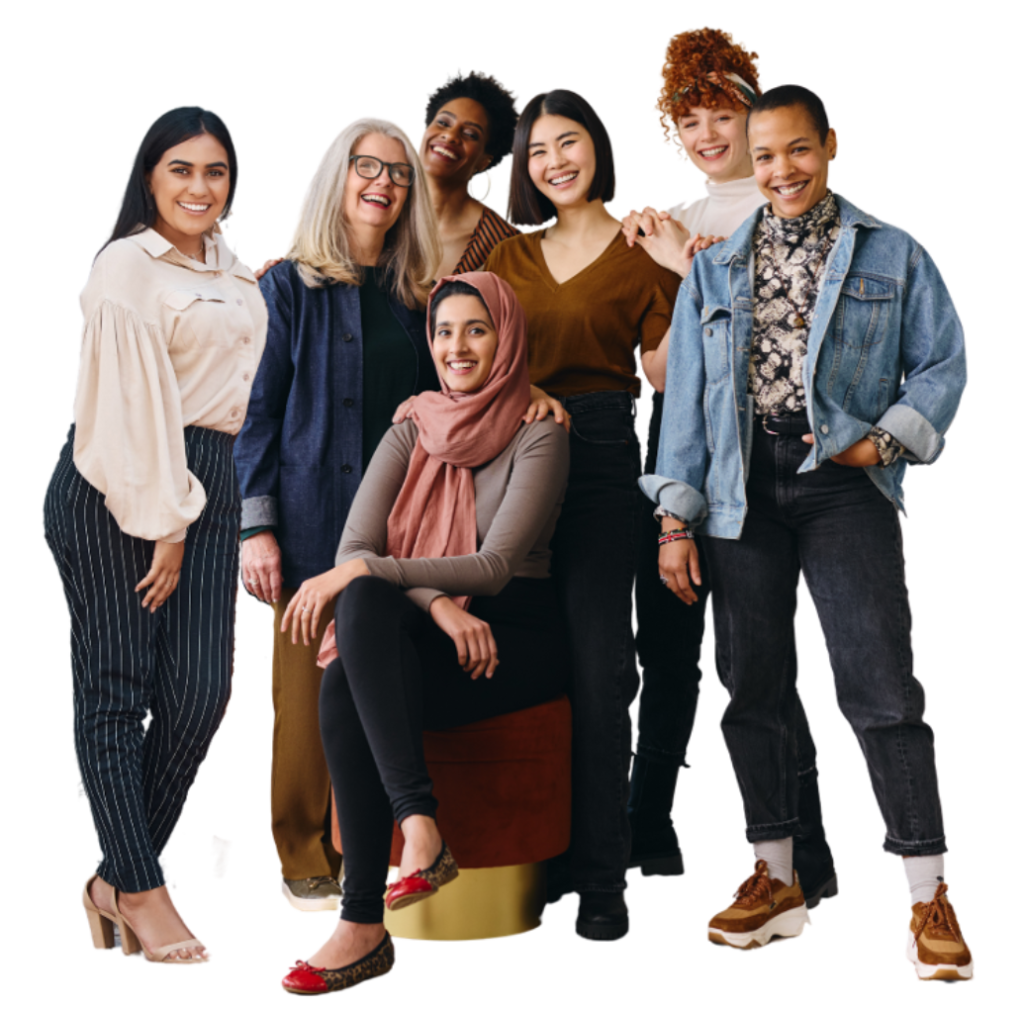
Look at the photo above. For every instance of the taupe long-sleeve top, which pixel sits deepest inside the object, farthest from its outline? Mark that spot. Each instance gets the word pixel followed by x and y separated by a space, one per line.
pixel 518 498
pixel 168 342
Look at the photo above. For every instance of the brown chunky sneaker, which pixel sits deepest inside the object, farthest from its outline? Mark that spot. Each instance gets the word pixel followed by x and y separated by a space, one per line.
pixel 936 946
pixel 763 908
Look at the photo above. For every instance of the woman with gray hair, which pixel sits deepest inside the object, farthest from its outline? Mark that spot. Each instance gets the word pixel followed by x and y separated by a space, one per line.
pixel 346 345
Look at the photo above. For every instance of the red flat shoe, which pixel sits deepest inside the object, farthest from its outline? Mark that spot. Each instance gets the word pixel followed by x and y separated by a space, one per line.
pixel 422 883
pixel 305 979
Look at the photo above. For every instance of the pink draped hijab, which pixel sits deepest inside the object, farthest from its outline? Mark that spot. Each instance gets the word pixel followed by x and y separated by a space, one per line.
pixel 435 512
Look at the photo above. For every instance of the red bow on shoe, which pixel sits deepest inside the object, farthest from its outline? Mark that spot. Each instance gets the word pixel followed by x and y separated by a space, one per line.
pixel 304 977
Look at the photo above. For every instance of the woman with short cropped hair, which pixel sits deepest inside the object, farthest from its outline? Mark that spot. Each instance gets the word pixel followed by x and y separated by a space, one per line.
pixel 854 368
pixel 470 122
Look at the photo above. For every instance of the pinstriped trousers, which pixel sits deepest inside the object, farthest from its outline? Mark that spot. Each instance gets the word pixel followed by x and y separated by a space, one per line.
pixel 174 665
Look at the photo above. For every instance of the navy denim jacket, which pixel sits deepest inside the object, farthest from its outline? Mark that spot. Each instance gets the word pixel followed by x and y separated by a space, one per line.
pixel 885 347
pixel 299 454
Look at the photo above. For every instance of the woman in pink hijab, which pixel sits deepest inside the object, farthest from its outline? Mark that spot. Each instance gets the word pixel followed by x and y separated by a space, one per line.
pixel 444 608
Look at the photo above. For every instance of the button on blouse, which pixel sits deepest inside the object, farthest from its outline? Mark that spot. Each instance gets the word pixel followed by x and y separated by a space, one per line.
pixel 168 343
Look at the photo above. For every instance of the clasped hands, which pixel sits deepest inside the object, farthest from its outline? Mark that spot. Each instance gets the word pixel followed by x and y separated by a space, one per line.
pixel 665 239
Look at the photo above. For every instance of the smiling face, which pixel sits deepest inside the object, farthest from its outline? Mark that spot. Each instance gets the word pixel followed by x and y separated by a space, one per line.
pixel 465 342
pixel 454 144
pixel 190 186
pixel 374 204
pixel 790 159
pixel 715 141
pixel 561 160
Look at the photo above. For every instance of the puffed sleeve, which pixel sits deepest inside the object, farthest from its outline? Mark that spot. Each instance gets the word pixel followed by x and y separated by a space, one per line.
pixel 129 434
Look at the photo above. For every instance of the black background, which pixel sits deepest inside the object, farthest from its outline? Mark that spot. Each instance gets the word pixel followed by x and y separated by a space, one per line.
pixel 287 84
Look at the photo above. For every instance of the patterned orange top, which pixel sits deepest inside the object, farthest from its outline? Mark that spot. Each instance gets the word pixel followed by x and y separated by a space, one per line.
pixel 490 230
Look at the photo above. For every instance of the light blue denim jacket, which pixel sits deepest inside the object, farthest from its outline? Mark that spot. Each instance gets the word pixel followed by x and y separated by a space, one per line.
pixel 885 347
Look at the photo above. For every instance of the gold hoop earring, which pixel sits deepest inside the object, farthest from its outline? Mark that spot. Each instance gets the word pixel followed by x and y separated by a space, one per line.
pixel 469 187
pixel 488 184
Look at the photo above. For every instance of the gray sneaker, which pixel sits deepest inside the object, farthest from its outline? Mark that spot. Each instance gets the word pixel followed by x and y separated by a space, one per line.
pixel 318 893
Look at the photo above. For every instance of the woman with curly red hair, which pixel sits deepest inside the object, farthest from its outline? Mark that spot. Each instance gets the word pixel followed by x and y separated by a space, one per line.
pixel 710 82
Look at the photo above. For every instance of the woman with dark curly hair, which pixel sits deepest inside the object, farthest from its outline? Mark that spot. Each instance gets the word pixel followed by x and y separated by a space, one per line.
pixel 470 124
pixel 710 82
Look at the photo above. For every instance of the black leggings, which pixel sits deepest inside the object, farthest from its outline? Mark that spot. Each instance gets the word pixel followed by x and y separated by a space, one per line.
pixel 397 674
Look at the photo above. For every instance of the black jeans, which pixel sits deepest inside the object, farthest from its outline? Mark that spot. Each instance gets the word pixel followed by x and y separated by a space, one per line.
pixel 594 558
pixel 397 674
pixel 836 527
pixel 668 644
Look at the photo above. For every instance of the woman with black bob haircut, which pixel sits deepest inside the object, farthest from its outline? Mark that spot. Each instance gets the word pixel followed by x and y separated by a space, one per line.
pixel 142 514
pixel 590 300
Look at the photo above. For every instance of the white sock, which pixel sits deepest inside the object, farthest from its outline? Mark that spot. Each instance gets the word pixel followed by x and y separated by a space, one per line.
pixel 779 856
pixel 924 874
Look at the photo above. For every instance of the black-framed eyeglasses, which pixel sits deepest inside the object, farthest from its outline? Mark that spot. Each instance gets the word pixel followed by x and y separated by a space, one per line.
pixel 369 167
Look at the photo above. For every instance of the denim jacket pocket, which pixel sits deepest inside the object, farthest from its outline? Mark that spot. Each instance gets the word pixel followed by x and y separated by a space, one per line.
pixel 715 323
pixel 862 315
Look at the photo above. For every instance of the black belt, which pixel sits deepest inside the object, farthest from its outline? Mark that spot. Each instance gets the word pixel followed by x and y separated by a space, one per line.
pixel 785 423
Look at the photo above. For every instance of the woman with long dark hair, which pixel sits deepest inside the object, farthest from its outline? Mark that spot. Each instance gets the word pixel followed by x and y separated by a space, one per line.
pixel 590 300
pixel 142 514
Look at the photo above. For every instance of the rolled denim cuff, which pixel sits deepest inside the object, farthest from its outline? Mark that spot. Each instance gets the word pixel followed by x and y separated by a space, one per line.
pixel 259 511
pixel 920 441
pixel 676 497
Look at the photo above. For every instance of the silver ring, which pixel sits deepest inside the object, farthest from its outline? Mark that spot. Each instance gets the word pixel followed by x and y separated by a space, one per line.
pixel 664 580
pixel 250 581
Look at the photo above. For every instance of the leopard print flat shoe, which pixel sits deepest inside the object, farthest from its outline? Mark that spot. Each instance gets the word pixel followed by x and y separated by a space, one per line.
pixel 422 883
pixel 305 979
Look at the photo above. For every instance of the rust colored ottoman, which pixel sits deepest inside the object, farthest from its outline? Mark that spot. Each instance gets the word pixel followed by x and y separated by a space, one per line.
pixel 503 791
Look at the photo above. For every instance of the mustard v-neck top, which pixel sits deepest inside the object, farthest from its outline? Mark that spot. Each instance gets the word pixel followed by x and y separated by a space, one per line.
pixel 583 333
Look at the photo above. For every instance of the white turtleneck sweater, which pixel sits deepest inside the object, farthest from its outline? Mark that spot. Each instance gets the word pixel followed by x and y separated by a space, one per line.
pixel 723 210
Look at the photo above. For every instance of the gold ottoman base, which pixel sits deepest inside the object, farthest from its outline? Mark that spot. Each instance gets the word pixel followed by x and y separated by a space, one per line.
pixel 480 904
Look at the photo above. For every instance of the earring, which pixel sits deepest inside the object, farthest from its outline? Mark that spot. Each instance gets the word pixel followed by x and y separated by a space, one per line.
pixel 488 184
pixel 469 187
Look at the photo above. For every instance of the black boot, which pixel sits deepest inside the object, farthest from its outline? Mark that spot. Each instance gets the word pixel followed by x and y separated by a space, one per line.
pixel 655 847
pixel 812 857
pixel 559 878
pixel 602 916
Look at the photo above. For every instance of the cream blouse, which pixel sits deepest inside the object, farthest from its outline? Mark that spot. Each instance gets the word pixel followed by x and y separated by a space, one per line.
pixel 168 343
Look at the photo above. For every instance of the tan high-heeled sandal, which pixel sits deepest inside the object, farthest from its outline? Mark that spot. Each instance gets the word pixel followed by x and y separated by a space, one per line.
pixel 101 923
pixel 130 943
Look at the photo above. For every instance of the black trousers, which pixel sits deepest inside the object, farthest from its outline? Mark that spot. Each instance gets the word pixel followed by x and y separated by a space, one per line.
pixel 174 665
pixel 396 674
pixel 669 639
